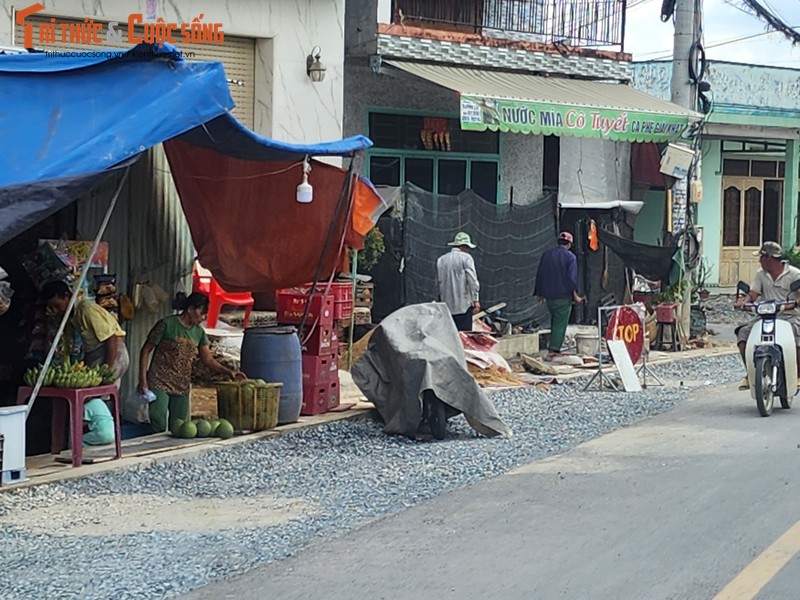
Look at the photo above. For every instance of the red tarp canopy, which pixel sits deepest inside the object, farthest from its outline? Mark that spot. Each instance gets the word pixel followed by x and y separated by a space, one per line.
pixel 247 226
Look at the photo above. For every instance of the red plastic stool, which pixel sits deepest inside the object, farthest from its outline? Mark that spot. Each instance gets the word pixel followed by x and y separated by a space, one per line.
pixel 75 399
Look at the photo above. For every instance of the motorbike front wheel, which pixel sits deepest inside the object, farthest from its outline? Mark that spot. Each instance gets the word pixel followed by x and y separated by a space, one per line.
pixel 765 397
pixel 435 414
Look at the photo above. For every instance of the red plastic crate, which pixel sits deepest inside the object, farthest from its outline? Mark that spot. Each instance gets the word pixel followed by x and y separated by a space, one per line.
pixel 342 311
pixel 290 306
pixel 333 395
pixel 323 339
pixel 342 298
pixel 321 369
pixel 342 292
pixel 666 313
pixel 319 399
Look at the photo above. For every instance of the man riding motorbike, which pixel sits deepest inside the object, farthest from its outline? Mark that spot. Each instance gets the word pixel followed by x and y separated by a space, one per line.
pixel 771 282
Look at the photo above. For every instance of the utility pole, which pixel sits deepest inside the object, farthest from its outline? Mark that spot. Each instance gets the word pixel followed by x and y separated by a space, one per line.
pixel 682 88
pixel 684 93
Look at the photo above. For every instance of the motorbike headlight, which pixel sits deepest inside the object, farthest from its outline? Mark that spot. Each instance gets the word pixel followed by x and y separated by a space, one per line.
pixel 767 308
pixel 768 327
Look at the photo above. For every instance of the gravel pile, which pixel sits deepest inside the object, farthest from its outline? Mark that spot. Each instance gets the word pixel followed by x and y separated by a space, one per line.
pixel 314 483
pixel 719 309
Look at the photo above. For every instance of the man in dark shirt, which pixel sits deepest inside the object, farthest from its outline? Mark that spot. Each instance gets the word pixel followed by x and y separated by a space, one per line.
pixel 557 283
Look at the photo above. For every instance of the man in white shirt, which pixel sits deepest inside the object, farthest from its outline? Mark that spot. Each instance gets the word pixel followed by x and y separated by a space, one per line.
pixel 458 281
pixel 772 282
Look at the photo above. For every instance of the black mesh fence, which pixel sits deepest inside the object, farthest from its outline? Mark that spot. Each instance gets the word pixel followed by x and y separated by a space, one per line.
pixel 510 241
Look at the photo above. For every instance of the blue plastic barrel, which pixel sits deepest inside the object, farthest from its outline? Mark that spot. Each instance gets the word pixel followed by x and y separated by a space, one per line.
pixel 273 354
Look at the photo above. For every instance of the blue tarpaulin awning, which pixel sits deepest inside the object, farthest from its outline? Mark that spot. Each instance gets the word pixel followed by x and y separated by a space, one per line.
pixel 66 122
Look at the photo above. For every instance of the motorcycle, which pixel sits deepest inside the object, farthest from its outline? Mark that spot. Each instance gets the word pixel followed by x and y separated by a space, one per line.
pixel 770 354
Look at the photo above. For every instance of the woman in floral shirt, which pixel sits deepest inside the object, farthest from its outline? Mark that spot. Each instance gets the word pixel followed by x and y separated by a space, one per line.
pixel 175 342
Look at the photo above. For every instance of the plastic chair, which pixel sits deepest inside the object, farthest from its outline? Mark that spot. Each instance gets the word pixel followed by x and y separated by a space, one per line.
pixel 219 298
pixel 204 282
pixel 75 398
pixel 201 279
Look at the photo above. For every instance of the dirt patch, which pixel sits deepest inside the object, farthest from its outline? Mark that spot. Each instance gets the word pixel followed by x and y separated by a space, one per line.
pixel 359 349
pixel 122 514
pixel 204 402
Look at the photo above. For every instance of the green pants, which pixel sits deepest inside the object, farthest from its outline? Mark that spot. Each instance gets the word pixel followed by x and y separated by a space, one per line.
pixel 560 311
pixel 165 408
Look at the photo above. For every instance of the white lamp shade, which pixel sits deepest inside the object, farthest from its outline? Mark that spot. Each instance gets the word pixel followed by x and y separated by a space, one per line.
pixel 305 193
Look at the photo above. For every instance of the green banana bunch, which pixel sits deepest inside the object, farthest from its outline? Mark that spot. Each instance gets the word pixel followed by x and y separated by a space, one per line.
pixel 107 374
pixel 70 375
pixel 31 376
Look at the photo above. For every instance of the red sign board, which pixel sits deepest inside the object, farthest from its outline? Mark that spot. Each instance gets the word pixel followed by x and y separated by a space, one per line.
pixel 625 324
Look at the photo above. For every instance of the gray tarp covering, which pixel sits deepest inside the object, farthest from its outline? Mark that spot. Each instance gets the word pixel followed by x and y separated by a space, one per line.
pixel 417 349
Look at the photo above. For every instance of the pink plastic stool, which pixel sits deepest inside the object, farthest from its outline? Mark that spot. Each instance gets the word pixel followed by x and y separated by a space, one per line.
pixel 75 399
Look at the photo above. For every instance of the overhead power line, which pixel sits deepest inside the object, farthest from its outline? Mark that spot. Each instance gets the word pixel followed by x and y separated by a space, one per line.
pixel 771 19
pixel 668 53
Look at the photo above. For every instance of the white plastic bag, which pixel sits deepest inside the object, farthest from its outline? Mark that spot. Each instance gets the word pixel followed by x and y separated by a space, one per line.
pixel 147 397
pixel 153 296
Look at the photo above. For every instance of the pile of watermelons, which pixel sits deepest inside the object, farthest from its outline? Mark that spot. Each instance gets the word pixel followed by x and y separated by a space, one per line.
pixel 201 428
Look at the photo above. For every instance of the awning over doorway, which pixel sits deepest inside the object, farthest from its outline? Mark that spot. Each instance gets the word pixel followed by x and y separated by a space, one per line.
pixel 523 103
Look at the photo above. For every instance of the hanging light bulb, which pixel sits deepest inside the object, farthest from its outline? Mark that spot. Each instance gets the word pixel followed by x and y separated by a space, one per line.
pixel 305 193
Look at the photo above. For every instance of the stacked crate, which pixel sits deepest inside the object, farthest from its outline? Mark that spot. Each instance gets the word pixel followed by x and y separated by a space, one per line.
pixel 319 339
pixel 364 294
pixel 320 369
pixel 363 304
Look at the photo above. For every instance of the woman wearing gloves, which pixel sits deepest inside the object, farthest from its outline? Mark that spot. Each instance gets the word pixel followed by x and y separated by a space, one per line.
pixel 175 342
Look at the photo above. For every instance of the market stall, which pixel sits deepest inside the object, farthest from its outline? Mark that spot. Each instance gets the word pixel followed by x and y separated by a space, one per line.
pixel 147 102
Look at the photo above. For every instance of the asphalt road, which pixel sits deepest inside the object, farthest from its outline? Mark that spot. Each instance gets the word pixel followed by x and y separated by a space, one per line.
pixel 699 503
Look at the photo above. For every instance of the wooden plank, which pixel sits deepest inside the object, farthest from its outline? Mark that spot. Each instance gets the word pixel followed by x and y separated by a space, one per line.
pixel 178 446
pixel 87 460
pixel 145 439
pixel 622 361
pixel 488 311
pixel 48 469
pixel 536 366
pixel 167 444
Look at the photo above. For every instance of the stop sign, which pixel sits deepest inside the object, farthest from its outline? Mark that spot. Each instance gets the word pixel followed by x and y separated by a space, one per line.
pixel 625 324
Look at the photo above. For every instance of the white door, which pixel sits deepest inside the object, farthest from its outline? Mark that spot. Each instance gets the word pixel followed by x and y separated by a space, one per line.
pixel 751 215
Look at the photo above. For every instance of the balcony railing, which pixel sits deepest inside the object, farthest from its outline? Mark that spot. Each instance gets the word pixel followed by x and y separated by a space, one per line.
pixel 573 22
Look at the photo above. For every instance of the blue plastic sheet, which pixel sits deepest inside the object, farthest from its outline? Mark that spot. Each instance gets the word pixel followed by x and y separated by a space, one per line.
pixel 227 136
pixel 65 121
pixel 71 121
